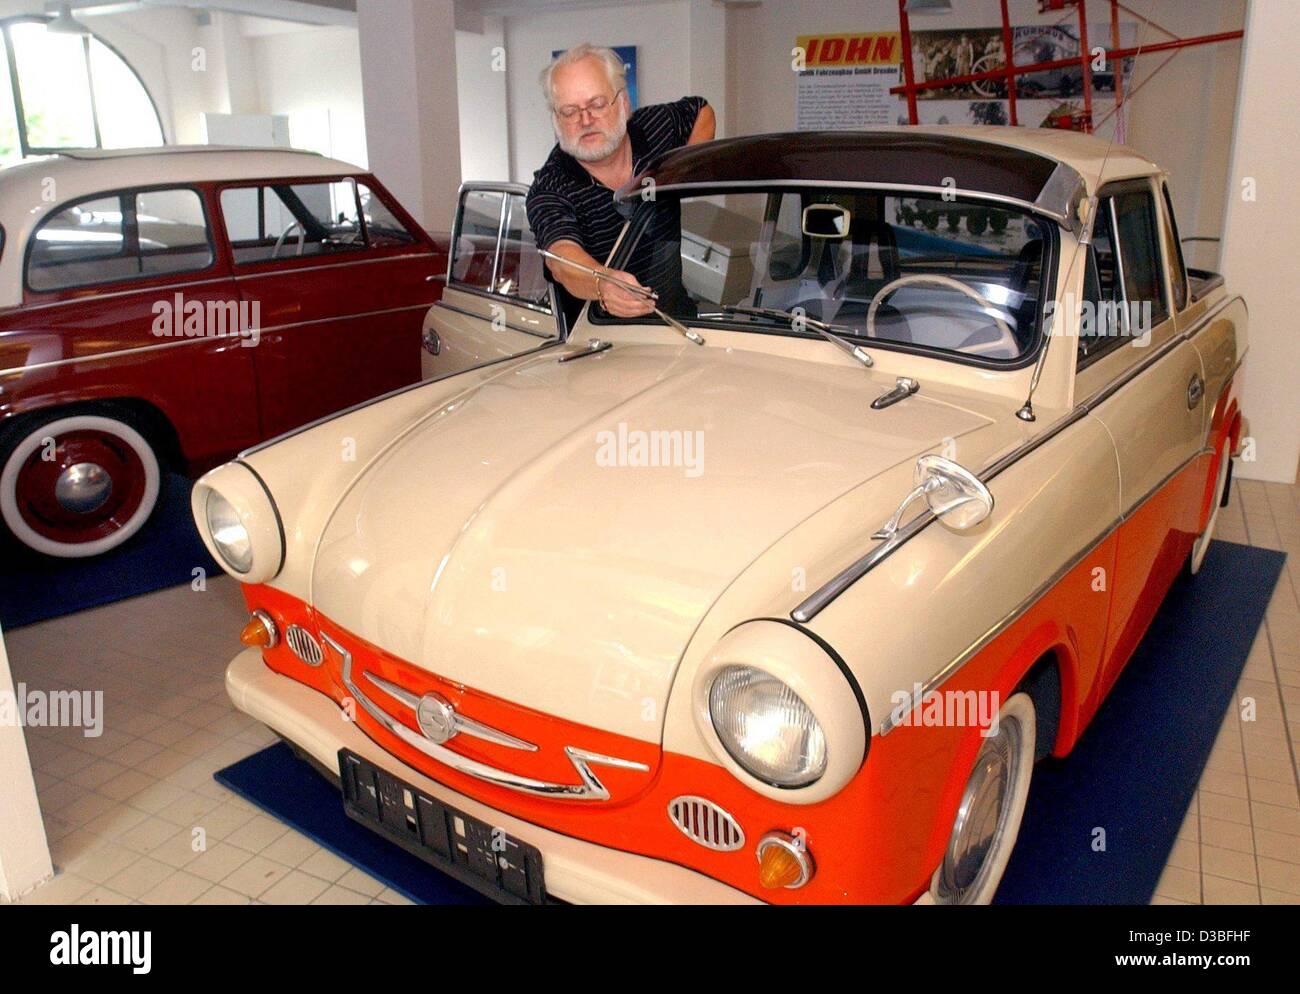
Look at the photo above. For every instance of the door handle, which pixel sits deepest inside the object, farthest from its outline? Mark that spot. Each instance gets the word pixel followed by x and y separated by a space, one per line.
pixel 1195 391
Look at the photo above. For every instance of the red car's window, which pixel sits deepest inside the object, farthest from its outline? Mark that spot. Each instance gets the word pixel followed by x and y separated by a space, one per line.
pixel 120 236
pixel 290 220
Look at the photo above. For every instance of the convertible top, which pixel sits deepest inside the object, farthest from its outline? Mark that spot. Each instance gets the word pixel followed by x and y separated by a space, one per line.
pixel 1048 171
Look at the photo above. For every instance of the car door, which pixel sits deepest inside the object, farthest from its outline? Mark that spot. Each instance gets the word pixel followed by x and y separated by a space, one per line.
pixel 339 280
pixel 497 302
pixel 1145 384
pixel 126 295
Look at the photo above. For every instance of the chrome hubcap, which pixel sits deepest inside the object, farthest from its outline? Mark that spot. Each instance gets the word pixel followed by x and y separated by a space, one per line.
pixel 982 817
pixel 83 487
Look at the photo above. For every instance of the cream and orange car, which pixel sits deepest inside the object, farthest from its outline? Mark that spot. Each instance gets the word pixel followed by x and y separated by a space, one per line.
pixel 784 609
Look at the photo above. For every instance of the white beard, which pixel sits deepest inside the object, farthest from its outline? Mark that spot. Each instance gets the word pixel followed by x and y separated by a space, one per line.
pixel 604 150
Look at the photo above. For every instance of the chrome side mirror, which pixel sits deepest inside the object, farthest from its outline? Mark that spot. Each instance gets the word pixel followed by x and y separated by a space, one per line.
pixel 953 493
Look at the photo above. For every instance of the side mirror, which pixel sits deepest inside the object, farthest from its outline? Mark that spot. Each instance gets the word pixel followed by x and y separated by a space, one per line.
pixel 953 493
pixel 826 221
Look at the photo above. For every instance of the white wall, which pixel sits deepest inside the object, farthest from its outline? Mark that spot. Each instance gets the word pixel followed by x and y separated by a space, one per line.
pixel 24 854
pixel 1261 240
pixel 482 68
pixel 314 77
pixel 660 30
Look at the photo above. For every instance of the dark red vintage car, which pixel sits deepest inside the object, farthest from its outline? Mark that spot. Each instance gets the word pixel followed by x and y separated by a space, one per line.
pixel 162 309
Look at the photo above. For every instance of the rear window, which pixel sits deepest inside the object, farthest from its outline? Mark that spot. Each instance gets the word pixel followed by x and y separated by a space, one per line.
pixel 120 236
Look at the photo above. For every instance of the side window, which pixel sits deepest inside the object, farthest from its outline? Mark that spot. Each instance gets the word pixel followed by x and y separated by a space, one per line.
pixel 290 220
pixel 1174 250
pixel 520 271
pixel 1101 325
pixel 173 232
pixel 382 227
pixel 1139 249
pixel 474 254
pixel 117 237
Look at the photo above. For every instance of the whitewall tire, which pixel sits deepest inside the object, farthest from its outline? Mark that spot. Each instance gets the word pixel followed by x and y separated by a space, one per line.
pixel 992 805
pixel 1202 544
pixel 77 486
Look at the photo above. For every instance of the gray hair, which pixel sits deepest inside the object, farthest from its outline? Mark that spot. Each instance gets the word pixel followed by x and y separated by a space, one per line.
pixel 615 71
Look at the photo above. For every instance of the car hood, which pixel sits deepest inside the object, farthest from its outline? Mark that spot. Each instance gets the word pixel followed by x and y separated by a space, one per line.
pixel 533 540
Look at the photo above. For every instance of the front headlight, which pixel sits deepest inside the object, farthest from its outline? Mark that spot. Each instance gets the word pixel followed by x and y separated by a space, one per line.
pixel 228 533
pixel 766 727
pixel 239 523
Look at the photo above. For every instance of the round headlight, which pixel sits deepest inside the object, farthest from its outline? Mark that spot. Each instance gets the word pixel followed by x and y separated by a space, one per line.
pixel 228 532
pixel 766 727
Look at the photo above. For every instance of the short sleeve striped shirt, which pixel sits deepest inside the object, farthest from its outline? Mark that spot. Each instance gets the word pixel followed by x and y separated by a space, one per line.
pixel 567 202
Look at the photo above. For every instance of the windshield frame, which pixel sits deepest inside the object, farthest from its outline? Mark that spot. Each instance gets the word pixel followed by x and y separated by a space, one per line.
pixel 1046 289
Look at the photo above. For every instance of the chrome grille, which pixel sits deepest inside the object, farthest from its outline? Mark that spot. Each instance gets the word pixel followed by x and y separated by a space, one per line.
pixel 706 824
pixel 303 645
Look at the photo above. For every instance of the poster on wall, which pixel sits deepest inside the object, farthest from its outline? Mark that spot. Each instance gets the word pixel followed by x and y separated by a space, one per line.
pixel 628 54
pixel 844 80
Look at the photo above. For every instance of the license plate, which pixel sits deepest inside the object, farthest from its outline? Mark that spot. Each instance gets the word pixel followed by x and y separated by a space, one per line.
pixel 471 850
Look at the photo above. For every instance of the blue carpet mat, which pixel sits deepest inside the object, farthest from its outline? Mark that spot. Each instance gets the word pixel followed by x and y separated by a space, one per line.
pixel 1134 772
pixel 163 553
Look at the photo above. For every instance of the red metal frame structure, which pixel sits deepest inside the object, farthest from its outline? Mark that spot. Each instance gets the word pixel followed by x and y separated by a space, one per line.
pixel 1010 70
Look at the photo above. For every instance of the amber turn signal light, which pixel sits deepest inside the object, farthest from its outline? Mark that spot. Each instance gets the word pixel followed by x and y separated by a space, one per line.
pixel 783 862
pixel 260 631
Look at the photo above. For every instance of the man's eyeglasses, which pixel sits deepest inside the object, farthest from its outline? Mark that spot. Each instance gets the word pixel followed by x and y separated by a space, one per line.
pixel 595 106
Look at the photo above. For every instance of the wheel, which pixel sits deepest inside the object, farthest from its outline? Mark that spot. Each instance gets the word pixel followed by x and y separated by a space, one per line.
pixel 998 222
pixel 1202 543
pixel 930 219
pixel 992 806
pixel 976 222
pixel 954 220
pixel 77 485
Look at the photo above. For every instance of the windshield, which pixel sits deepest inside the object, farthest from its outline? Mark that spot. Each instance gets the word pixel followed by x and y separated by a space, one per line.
pixel 960 276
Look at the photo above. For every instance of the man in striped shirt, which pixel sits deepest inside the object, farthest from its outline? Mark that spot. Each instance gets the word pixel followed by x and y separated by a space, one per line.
pixel 601 145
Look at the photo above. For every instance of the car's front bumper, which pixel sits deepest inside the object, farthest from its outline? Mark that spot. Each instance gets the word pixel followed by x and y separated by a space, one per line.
pixel 576 871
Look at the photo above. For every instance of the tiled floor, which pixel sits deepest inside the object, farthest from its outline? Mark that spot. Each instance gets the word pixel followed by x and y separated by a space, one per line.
pixel 135 815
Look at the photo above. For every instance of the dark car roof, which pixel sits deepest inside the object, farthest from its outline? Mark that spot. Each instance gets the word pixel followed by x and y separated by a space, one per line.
pixel 903 158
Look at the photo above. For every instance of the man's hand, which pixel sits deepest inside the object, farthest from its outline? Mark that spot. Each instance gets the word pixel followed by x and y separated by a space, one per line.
pixel 623 303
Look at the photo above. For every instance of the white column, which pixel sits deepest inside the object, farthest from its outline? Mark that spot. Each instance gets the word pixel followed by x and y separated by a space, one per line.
pixel 708 57
pixel 408 80
pixel 1261 241
pixel 24 853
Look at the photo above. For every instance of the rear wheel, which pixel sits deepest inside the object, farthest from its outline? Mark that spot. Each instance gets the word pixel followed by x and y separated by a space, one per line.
pixel 1202 543
pixel 991 808
pixel 77 485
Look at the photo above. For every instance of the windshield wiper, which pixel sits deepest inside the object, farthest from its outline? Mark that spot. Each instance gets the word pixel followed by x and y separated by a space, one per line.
pixel 827 331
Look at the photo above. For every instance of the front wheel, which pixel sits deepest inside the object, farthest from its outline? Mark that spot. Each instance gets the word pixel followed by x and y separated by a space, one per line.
pixel 991 808
pixel 76 486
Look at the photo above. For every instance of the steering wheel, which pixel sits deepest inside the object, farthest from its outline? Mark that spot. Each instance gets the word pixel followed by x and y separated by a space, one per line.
pixel 279 242
pixel 1006 339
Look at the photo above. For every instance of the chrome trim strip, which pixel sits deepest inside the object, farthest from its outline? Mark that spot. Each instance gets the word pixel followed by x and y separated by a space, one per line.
pixel 590 789
pixel 816 602
pixel 505 298
pixel 328 265
pixel 234 338
pixel 888 724
pixel 479 317
pixel 594 346
pixel 461 723
pixel 171 287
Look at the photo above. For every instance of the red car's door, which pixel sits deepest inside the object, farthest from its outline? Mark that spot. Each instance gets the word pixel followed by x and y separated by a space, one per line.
pixel 339 278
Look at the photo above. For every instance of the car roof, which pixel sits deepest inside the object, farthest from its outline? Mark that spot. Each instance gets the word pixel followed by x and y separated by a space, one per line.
pixel 32 189
pixel 1046 168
